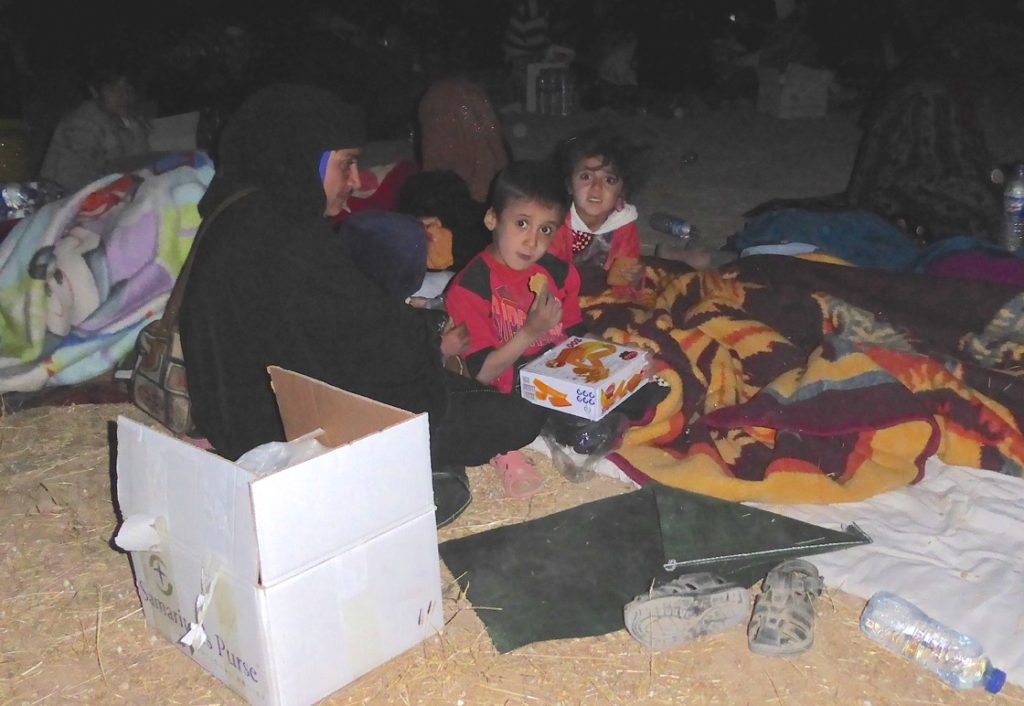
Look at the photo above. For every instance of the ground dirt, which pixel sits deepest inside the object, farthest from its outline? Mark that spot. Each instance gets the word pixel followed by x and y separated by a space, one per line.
pixel 71 626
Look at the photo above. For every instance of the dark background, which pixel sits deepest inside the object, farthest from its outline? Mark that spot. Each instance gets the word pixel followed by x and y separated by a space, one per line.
pixel 187 55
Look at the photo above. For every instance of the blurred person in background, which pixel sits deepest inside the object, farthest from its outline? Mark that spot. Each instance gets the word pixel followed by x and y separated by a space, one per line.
pixel 102 135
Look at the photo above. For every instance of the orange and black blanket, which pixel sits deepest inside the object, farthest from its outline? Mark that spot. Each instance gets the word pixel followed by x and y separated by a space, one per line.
pixel 802 381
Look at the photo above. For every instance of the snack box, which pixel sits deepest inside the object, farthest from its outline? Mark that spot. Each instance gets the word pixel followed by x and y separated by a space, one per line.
pixel 585 377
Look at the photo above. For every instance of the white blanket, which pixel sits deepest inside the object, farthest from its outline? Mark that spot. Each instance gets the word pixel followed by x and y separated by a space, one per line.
pixel 953 544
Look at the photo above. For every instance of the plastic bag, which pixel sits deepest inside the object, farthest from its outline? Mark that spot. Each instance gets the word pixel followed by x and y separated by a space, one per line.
pixel 21 199
pixel 577 444
pixel 276 455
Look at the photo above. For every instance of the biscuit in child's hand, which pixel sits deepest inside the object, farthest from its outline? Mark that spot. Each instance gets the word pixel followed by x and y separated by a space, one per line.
pixel 538 283
pixel 616 273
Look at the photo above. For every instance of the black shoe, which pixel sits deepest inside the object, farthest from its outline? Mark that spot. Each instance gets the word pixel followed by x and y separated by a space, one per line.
pixel 451 493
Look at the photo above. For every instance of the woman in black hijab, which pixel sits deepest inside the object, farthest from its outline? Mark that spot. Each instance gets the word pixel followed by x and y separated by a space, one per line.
pixel 271 284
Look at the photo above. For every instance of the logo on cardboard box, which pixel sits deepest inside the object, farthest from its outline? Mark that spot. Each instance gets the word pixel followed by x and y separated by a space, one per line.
pixel 587 359
pixel 163 581
pixel 159 578
pixel 613 394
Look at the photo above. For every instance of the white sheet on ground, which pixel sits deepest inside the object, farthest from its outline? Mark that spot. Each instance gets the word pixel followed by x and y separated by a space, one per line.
pixel 953 544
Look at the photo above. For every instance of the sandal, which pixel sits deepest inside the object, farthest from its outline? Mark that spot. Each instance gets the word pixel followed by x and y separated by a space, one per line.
pixel 451 494
pixel 782 624
pixel 519 475
pixel 684 609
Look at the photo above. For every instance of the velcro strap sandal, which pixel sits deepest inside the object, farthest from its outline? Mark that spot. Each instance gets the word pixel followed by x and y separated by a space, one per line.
pixel 782 624
pixel 684 609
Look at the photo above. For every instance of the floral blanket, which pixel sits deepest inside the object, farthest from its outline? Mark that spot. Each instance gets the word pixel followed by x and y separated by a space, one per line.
pixel 803 381
pixel 82 276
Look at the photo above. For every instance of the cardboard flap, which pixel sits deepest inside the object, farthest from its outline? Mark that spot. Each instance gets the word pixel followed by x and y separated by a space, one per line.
pixel 311 511
pixel 306 404
pixel 200 499
pixel 264 529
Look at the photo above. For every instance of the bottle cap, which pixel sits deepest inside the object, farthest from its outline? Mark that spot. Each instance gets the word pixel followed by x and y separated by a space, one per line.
pixel 995 681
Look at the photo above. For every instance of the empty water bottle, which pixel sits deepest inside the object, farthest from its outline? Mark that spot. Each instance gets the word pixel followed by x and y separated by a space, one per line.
pixel 1013 210
pixel 564 93
pixel 544 92
pixel 672 225
pixel 903 628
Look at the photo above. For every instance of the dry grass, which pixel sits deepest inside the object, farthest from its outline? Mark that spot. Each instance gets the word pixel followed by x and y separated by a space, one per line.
pixel 71 629
pixel 71 626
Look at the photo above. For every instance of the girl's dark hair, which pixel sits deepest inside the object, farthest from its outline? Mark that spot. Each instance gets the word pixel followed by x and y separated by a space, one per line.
pixel 611 146
pixel 528 179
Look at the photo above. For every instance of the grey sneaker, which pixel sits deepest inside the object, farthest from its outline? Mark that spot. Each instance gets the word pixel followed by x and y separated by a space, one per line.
pixel 685 609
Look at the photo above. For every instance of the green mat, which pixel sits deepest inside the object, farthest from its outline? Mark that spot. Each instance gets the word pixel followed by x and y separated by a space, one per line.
pixel 570 574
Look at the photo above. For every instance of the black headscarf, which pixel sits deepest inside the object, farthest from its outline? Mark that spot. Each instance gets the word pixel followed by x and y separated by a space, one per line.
pixel 274 141
pixel 272 284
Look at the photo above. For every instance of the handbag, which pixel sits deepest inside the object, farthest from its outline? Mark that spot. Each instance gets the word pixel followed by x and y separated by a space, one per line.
pixel 158 385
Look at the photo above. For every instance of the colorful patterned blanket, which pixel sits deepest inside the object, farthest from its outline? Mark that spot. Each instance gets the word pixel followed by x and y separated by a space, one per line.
pixel 802 381
pixel 81 277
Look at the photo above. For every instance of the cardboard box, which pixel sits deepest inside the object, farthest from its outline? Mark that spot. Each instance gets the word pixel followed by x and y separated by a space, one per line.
pixel 797 92
pixel 292 584
pixel 584 377
pixel 174 133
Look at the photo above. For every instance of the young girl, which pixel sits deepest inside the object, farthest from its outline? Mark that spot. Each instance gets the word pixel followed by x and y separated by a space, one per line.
pixel 599 233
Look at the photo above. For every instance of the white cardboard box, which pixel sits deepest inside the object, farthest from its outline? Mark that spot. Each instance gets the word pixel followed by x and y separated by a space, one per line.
pixel 584 377
pixel 797 92
pixel 301 580
pixel 174 133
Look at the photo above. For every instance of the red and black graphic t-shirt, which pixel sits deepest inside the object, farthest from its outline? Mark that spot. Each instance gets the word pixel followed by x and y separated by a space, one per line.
pixel 493 300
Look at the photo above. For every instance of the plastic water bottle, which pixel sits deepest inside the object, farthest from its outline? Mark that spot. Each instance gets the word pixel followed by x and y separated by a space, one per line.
pixel 1013 210
pixel 556 92
pixel 903 628
pixel 672 225
pixel 566 90
pixel 544 91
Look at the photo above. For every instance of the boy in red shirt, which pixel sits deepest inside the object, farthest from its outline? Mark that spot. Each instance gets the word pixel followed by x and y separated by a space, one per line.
pixel 515 299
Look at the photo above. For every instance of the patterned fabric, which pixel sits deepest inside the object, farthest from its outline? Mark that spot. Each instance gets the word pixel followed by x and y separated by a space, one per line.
pixel 580 241
pixel 527 32
pixel 459 131
pixel 923 161
pixel 82 276
pixel 798 381
pixel 922 164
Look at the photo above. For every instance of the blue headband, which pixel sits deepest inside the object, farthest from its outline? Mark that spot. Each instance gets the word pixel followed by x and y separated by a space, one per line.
pixel 323 164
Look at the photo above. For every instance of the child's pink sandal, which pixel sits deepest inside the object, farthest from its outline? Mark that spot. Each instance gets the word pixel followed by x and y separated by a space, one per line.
pixel 519 475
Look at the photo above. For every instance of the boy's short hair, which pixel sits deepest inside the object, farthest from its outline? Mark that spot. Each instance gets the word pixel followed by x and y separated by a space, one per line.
pixel 598 141
pixel 531 180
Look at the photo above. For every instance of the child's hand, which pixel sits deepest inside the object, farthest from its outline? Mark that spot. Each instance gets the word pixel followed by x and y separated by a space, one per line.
pixel 625 272
pixel 544 314
pixel 455 339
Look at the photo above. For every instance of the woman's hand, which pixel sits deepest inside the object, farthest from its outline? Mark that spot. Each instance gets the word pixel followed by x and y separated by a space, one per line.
pixel 455 339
